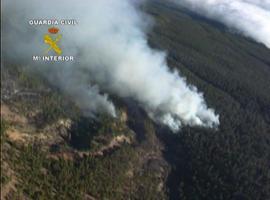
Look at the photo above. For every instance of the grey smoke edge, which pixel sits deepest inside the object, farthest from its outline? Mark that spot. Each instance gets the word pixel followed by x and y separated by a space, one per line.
pixel 249 17
pixel 111 50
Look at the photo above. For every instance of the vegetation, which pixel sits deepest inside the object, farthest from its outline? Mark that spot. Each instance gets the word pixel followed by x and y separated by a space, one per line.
pixel 52 105
pixel 233 72
pixel 101 177
pixel 229 163
pixel 3 128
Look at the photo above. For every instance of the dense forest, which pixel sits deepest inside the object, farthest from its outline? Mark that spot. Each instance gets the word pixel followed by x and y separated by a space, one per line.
pixel 234 74
pixel 88 161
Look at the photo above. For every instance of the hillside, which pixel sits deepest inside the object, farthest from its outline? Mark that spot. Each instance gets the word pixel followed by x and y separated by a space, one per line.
pixel 50 150
pixel 233 72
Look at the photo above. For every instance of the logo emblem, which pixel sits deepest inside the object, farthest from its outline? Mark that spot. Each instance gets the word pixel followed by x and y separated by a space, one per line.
pixel 53 42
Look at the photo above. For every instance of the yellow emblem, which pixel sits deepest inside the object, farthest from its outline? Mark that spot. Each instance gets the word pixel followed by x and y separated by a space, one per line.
pixel 52 43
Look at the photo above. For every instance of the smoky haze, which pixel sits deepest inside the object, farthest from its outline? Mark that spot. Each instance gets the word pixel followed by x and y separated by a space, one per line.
pixel 111 57
pixel 249 17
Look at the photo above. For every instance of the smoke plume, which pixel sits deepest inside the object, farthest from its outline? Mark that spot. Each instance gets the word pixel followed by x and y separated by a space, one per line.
pixel 249 17
pixel 112 57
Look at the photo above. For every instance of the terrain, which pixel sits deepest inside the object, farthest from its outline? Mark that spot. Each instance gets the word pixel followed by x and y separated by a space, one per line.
pixel 50 150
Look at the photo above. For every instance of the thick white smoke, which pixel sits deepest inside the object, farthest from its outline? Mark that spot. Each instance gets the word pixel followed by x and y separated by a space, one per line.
pixel 249 17
pixel 111 51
